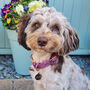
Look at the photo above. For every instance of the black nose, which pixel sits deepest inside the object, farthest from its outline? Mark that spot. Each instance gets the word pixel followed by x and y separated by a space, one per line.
pixel 42 41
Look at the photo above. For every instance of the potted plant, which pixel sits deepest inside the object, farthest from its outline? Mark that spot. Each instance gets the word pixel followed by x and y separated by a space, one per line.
pixel 11 14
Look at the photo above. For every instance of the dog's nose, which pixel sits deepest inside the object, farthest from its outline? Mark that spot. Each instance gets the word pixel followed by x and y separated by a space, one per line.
pixel 42 41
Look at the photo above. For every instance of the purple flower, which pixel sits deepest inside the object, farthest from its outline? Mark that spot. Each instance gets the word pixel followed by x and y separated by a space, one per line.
pixel 3 9
pixel 5 5
pixel 25 8
pixel 47 1
pixel 9 5
pixel 3 12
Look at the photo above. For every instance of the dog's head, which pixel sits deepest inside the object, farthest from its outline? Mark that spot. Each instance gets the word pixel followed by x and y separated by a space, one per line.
pixel 48 30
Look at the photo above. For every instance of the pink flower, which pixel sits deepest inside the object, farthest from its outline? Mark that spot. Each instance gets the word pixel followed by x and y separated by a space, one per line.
pixel 8 11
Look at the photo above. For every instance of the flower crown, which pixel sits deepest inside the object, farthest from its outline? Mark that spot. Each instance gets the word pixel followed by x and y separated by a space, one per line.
pixel 12 12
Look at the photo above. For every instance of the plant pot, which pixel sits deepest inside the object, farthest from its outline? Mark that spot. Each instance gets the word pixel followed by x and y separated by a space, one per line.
pixel 20 55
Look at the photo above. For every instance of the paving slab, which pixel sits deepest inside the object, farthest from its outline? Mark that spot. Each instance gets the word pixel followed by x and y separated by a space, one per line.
pixel 19 84
pixel 22 84
pixel 5 85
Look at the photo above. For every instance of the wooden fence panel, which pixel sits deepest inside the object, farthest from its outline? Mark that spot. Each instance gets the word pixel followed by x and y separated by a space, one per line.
pixel 78 14
pixel 4 42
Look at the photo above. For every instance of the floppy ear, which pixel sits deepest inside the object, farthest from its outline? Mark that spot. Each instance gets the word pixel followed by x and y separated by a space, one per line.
pixel 21 34
pixel 71 40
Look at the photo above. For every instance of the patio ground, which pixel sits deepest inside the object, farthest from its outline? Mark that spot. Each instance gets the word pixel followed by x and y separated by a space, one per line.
pixel 20 84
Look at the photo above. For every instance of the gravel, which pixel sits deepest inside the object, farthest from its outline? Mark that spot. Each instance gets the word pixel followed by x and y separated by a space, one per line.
pixel 7 69
pixel 83 62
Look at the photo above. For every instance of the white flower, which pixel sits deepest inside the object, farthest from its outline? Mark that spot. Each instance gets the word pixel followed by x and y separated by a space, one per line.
pixel 20 9
pixel 35 4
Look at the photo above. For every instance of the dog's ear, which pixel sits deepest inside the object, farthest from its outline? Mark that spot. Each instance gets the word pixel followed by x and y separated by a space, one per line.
pixel 71 40
pixel 21 34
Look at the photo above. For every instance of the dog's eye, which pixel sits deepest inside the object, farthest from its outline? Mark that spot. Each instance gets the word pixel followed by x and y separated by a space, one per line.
pixel 55 29
pixel 35 26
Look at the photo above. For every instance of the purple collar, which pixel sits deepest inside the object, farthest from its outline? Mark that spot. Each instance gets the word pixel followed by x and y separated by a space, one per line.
pixel 44 64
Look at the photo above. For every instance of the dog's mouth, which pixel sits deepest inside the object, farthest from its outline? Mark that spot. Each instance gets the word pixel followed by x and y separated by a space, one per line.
pixel 50 49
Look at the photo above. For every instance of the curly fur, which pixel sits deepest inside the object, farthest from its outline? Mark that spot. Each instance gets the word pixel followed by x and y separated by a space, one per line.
pixel 62 39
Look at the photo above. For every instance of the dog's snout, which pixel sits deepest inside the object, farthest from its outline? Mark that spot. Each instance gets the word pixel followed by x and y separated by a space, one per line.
pixel 42 41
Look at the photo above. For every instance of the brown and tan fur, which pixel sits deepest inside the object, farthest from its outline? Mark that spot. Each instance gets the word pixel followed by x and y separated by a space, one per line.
pixel 59 37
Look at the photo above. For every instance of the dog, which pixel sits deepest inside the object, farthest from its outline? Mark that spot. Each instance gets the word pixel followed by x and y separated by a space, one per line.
pixel 50 37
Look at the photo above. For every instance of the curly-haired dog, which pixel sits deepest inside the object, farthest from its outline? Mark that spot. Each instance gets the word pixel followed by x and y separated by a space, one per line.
pixel 50 37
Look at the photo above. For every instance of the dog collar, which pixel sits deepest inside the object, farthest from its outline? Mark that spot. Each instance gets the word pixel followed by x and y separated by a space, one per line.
pixel 44 64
